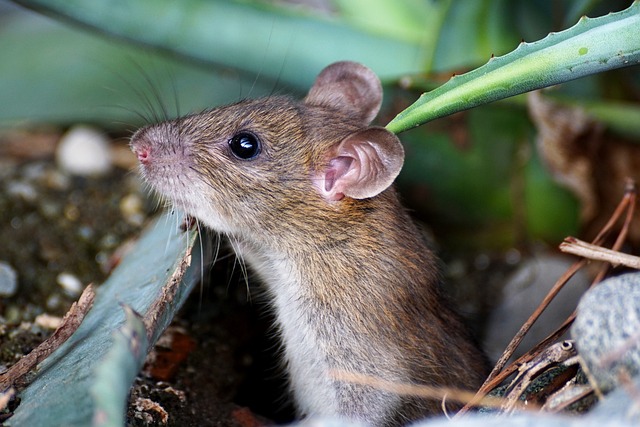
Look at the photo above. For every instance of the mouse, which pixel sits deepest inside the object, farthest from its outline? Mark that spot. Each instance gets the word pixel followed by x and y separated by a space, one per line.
pixel 304 191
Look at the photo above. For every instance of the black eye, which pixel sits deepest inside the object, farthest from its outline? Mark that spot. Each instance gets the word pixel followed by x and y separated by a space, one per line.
pixel 245 145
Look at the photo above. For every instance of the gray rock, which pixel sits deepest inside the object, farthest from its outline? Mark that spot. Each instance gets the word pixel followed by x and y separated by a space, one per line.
pixel 530 420
pixel 522 294
pixel 620 404
pixel 8 280
pixel 607 330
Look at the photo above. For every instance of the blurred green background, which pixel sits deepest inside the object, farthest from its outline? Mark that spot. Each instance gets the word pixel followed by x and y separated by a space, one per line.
pixel 476 177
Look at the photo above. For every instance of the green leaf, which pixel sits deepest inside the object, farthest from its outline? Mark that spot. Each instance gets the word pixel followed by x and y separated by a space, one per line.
pixel 414 21
pixel 51 73
pixel 472 32
pixel 67 389
pixel 118 369
pixel 591 46
pixel 273 42
pixel 407 20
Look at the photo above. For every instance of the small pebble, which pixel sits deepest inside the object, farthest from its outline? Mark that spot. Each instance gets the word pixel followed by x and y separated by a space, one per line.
pixel 8 280
pixel 85 232
pixel 54 301
pixel 108 241
pixel 607 330
pixel 84 151
pixel 34 171
pixel 70 283
pixel 50 209
pixel 22 190
pixel 144 405
pixel 16 223
pixel 48 321
pixel 71 212
pixel 56 180
pixel 12 314
pixel 132 209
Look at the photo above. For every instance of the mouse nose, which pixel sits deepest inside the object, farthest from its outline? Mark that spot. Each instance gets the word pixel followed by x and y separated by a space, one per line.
pixel 143 155
pixel 141 149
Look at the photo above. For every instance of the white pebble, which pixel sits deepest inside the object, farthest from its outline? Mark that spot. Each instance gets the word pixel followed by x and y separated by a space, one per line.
pixel 70 283
pixel 131 208
pixel 48 321
pixel 22 190
pixel 8 280
pixel 84 151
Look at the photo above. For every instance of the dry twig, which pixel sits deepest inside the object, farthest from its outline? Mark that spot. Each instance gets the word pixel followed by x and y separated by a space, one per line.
pixel 423 391
pixel 574 246
pixel 14 376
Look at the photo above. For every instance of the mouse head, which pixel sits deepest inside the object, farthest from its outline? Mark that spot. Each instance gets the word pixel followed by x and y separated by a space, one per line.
pixel 259 162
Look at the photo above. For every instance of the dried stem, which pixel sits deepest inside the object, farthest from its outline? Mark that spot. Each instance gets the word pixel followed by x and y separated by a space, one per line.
pixel 70 323
pixel 577 247
pixel 423 391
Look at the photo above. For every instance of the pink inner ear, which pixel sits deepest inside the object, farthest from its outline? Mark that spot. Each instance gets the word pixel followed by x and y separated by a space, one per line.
pixel 329 180
pixel 336 169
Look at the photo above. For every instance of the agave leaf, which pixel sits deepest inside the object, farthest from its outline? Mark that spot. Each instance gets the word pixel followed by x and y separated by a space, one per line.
pixel 591 46
pixel 53 73
pixel 153 280
pixel 407 20
pixel 274 42
pixel 115 373
pixel 472 32
pixel 414 21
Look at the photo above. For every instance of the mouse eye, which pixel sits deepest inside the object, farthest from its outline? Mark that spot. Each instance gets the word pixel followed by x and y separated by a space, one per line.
pixel 245 145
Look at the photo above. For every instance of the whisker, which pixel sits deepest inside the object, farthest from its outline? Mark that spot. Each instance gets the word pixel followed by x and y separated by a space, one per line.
pixel 264 58
pixel 143 118
pixel 240 262
pixel 136 89
pixel 276 83
pixel 156 96
pixel 201 240
pixel 174 90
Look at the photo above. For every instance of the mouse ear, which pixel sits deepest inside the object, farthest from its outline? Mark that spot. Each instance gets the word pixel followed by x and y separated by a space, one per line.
pixel 349 87
pixel 365 164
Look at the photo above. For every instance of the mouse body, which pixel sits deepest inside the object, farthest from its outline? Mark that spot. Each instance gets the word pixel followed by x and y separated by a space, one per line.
pixel 304 192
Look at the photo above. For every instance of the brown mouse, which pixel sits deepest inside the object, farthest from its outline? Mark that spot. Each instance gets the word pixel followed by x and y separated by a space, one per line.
pixel 303 189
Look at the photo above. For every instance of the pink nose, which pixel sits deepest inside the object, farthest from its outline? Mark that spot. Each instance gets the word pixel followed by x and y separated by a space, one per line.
pixel 143 153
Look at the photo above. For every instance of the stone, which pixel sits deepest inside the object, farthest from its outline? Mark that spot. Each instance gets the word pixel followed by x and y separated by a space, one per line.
pixel 607 330
pixel 84 151
pixel 8 280
pixel 523 291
